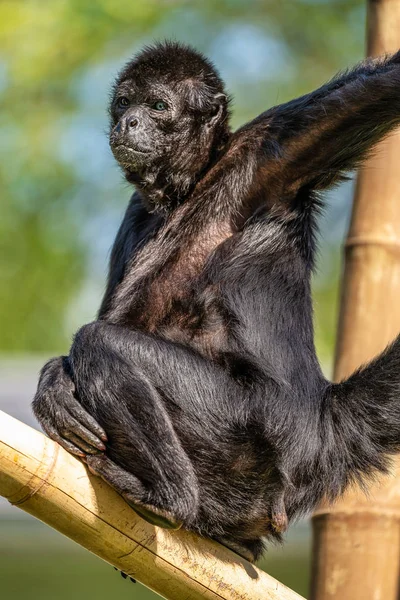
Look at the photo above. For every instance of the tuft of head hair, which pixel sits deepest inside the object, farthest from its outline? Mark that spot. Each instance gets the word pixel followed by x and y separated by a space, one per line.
pixel 170 61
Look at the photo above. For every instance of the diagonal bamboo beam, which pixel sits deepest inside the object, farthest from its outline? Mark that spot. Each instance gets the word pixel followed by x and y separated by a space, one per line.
pixel 42 479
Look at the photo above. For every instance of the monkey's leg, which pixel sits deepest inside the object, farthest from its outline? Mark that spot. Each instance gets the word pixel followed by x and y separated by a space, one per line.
pixel 145 461
pixel 154 398
pixel 184 378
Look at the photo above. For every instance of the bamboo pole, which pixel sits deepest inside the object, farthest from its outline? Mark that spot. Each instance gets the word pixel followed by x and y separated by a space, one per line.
pixel 42 479
pixel 357 541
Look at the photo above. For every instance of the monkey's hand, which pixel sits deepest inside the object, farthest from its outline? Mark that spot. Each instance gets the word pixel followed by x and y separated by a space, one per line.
pixel 61 415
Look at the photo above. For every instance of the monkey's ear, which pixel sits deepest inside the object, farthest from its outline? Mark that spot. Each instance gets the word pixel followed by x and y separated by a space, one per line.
pixel 217 111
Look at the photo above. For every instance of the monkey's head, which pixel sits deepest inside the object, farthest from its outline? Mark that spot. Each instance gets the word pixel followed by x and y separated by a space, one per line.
pixel 169 120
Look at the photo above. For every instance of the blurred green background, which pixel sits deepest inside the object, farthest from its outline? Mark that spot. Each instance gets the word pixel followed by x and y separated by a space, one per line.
pixel 62 198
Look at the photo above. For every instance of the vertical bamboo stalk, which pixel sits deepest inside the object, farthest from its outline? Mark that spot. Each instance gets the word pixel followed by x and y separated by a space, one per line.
pixel 357 541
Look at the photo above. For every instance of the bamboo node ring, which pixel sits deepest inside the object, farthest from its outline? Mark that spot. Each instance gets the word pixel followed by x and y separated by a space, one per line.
pixel 42 478
pixel 353 241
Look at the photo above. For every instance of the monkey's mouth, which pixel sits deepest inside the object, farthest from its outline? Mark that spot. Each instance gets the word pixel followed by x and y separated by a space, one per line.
pixel 128 156
pixel 121 146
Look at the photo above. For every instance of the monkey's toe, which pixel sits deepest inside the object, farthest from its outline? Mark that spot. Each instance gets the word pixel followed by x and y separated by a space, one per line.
pixel 153 515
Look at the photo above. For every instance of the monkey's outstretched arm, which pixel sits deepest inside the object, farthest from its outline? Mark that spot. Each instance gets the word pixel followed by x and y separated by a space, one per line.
pixel 313 140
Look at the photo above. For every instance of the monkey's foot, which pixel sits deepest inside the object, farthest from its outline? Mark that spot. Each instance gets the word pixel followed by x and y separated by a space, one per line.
pixel 131 489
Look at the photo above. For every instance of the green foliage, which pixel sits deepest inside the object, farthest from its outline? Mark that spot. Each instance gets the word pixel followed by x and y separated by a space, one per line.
pixel 42 260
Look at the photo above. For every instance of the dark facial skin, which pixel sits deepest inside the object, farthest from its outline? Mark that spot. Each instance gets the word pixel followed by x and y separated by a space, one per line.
pixel 197 393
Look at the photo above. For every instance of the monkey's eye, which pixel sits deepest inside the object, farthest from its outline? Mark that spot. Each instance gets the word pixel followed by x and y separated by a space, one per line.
pixel 123 102
pixel 159 105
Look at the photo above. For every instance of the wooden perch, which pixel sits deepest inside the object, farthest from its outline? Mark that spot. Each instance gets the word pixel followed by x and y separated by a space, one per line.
pixel 42 479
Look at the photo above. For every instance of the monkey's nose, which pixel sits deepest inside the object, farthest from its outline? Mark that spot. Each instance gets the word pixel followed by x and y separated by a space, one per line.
pixel 132 122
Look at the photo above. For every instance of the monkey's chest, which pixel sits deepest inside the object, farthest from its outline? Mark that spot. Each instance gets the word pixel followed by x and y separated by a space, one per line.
pixel 183 302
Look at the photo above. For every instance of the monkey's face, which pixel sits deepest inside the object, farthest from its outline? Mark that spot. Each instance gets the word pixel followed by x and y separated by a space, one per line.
pixel 167 119
pixel 160 122
pixel 147 124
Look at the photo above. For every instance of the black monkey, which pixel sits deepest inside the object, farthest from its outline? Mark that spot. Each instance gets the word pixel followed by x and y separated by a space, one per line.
pixel 197 393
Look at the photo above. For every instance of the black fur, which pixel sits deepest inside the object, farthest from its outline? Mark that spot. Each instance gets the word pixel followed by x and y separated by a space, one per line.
pixel 201 369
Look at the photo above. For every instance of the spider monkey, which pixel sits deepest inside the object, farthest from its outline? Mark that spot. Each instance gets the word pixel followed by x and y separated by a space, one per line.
pixel 197 393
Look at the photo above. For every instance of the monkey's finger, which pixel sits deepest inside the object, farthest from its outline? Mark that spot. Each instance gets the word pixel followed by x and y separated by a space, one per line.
pixel 81 443
pixel 68 446
pixel 81 415
pixel 72 426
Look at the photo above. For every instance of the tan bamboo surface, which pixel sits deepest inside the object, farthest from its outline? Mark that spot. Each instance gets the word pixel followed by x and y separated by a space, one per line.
pixel 357 541
pixel 42 479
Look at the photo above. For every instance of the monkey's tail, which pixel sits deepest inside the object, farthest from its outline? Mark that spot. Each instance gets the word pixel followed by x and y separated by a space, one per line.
pixel 364 425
